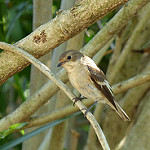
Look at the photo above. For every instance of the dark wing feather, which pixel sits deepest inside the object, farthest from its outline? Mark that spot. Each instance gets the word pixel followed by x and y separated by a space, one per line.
pixel 99 79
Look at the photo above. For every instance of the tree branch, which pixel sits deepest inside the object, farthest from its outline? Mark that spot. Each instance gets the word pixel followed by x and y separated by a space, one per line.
pixel 130 83
pixel 65 26
pixel 63 87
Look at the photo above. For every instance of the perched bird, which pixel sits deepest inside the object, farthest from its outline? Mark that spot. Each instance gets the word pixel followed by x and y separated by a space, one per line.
pixel 89 80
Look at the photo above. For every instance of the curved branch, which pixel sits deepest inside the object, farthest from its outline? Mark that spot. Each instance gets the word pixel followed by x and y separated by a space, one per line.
pixel 63 87
pixel 130 83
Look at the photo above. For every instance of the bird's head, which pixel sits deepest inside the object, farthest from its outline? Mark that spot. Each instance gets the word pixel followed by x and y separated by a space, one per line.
pixel 69 59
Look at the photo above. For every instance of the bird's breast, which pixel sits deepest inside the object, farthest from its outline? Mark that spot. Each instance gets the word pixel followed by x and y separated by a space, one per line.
pixel 80 80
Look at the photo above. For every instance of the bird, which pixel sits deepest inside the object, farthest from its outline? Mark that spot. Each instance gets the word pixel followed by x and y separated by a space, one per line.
pixel 89 80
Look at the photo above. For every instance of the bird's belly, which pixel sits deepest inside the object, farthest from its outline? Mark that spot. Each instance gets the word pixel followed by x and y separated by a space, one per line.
pixel 84 87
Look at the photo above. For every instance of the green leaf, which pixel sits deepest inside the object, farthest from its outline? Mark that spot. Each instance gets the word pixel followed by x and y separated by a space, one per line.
pixel 12 128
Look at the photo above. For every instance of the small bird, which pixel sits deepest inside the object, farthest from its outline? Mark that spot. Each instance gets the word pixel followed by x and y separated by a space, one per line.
pixel 89 80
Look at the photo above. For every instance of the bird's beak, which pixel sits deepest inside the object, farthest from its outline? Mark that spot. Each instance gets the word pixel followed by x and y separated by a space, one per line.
pixel 60 64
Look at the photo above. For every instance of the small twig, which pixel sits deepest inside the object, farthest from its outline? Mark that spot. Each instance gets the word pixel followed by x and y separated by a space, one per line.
pixel 115 55
pixel 109 52
pixel 99 24
pixel 62 86
pixel 54 115
pixel 145 50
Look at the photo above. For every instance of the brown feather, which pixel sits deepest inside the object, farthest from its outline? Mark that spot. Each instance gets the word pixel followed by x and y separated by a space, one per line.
pixel 98 76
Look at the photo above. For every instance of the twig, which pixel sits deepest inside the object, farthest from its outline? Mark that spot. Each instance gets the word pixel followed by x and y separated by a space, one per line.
pixel 130 83
pixel 145 50
pixel 62 86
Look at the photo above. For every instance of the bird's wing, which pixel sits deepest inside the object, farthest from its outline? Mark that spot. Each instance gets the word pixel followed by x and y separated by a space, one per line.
pixel 99 79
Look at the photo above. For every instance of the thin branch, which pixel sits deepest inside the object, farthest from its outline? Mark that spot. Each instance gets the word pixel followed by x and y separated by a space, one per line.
pixel 55 115
pixel 116 53
pixel 130 83
pixel 63 87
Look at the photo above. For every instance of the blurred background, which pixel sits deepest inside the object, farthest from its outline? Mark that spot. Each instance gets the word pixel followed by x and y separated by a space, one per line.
pixel 20 18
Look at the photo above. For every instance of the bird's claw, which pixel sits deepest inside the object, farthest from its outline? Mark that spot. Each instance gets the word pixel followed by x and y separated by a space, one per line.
pixel 78 99
pixel 86 111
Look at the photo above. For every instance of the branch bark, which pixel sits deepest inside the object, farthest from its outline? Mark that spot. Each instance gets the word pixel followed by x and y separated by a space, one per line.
pixel 132 82
pixel 63 27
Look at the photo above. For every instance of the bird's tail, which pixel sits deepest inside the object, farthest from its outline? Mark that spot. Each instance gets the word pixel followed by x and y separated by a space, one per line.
pixel 121 112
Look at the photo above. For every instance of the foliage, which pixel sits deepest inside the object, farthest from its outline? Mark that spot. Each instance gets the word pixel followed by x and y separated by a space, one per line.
pixel 11 129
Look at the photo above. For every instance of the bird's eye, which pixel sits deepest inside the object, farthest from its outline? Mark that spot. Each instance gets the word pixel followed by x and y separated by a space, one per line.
pixel 69 57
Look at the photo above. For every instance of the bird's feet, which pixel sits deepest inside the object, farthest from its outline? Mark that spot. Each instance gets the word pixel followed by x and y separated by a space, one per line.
pixel 88 109
pixel 78 99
